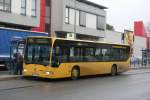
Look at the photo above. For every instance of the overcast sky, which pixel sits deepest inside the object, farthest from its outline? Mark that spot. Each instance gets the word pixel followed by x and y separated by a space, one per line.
pixel 122 13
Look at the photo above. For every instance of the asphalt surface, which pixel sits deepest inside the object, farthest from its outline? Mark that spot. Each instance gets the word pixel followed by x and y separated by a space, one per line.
pixel 128 86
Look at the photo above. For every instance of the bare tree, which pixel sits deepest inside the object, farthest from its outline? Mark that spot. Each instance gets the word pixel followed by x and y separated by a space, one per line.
pixel 110 27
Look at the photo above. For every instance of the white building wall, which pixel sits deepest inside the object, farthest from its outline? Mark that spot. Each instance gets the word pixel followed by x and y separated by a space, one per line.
pixel 139 44
pixel 113 37
pixel 116 37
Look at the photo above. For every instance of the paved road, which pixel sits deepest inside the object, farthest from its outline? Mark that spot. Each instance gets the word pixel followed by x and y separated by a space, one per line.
pixel 124 87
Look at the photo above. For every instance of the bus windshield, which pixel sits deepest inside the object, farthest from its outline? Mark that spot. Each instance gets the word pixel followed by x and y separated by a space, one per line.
pixel 38 53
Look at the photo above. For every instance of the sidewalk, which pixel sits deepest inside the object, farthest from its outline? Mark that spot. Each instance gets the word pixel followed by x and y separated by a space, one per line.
pixel 137 71
pixel 4 75
pixel 9 77
pixel 139 66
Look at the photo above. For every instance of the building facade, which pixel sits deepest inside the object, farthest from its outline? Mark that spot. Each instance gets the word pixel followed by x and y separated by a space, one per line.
pixel 66 17
pixel 114 37
pixel 21 14
pixel 62 17
pixel 138 39
pixel 79 19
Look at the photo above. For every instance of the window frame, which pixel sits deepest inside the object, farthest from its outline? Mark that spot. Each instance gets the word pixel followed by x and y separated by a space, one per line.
pixel 4 5
pixel 67 18
pixel 88 25
pixel 34 9
pixel 23 7
pixel 99 27
pixel 80 18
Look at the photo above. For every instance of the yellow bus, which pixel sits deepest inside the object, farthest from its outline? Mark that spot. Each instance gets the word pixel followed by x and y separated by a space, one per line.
pixel 53 58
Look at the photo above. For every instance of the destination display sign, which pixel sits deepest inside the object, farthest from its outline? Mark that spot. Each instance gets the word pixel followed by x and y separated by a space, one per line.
pixel 38 41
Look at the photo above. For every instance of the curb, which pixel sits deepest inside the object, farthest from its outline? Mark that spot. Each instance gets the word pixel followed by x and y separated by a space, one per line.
pixel 139 68
pixel 9 77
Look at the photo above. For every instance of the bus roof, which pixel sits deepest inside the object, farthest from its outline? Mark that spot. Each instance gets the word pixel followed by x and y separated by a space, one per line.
pixel 79 40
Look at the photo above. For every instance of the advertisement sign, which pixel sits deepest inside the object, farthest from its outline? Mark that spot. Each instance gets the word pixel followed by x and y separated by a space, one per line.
pixel 128 37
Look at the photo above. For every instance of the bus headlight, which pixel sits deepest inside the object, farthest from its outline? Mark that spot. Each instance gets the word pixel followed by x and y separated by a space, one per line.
pixel 24 70
pixel 49 73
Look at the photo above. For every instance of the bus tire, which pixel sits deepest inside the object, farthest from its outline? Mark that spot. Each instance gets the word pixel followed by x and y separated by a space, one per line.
pixel 75 73
pixel 114 70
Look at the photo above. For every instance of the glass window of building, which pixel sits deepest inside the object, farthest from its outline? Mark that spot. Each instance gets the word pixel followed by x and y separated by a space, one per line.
pixel 67 16
pixel 23 7
pixel 47 15
pixel 34 8
pixel 47 28
pixel 1 4
pixel 77 17
pixel 82 16
pixel 91 21
pixel 70 16
pixel 100 22
pixel 47 2
pixel 5 5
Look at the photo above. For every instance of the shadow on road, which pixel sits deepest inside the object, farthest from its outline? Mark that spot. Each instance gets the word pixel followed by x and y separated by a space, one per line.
pixel 69 79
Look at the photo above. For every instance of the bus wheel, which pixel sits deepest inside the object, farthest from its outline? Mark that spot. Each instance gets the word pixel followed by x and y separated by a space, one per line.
pixel 114 70
pixel 75 73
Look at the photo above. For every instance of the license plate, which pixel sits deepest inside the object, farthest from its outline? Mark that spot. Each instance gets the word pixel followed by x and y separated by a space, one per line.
pixel 35 75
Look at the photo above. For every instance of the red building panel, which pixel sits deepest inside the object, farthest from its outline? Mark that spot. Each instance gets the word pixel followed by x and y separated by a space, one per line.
pixel 139 29
pixel 41 27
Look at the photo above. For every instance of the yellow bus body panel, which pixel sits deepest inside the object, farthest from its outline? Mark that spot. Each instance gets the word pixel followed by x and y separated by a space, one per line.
pixel 64 70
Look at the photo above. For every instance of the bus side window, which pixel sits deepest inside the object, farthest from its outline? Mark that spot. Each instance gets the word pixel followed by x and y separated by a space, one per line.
pixel 116 54
pixel 90 54
pixel 77 53
pixel 104 54
pixel 72 56
pixel 98 54
pixel 61 53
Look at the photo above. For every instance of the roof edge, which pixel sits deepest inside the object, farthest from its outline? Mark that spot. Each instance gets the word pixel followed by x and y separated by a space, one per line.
pixel 93 4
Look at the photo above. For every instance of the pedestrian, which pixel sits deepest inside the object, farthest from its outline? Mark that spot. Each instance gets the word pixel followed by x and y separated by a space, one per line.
pixel 19 64
pixel 133 61
pixel 14 61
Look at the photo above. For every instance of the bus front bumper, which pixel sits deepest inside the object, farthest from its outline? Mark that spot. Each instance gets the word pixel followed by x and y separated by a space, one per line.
pixel 47 74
